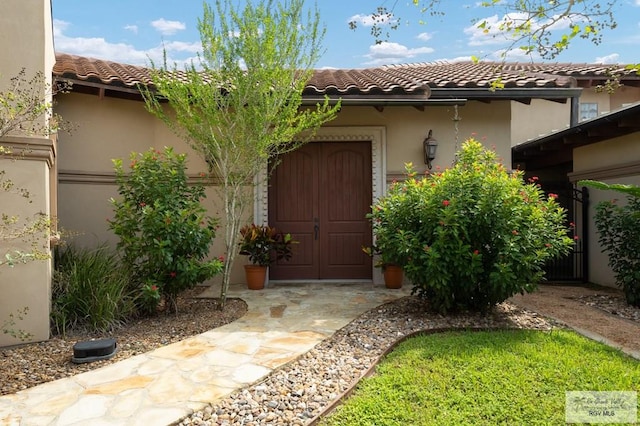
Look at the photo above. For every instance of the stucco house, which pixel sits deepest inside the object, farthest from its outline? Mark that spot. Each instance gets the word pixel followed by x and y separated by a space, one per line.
pixel 321 192
pixel 605 148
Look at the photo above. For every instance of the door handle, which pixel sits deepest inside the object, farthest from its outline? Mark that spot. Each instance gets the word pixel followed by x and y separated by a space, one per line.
pixel 316 230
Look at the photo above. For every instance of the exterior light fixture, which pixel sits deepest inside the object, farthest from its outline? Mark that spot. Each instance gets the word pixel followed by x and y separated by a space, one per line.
pixel 430 145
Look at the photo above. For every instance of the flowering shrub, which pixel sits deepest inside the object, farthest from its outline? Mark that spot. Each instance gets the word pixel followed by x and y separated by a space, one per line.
pixel 472 236
pixel 619 231
pixel 164 232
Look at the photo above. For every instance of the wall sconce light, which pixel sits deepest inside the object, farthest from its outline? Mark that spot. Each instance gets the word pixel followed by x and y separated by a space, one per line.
pixel 430 145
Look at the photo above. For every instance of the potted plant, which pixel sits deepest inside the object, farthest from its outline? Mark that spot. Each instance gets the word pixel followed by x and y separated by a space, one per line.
pixel 264 245
pixel 391 270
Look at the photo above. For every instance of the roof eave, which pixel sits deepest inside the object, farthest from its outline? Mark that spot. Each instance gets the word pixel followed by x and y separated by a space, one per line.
pixel 506 93
pixel 363 100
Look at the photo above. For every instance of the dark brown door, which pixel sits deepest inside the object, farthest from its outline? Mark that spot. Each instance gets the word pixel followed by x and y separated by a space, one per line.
pixel 320 194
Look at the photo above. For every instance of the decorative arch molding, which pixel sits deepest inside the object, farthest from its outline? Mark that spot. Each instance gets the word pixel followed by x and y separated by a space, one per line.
pixel 375 134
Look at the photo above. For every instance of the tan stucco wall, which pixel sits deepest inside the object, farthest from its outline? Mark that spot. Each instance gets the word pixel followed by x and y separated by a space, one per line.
pixel 27 42
pixel 26 285
pixel 613 161
pixel 406 128
pixel 539 118
pixel 106 129
pixel 542 117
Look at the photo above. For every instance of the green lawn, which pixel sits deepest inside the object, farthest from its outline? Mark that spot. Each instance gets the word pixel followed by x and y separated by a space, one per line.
pixel 514 377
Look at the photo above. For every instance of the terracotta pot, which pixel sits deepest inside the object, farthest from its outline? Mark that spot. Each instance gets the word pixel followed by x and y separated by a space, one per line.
pixel 393 276
pixel 256 276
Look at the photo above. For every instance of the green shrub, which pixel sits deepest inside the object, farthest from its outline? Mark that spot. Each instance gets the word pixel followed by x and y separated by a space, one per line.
pixel 164 232
pixel 619 234
pixel 90 289
pixel 472 236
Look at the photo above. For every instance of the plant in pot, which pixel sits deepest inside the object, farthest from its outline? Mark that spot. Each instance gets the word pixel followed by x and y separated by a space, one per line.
pixel 264 245
pixel 391 270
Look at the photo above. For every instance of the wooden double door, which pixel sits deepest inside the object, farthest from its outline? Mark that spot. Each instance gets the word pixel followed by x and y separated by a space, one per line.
pixel 321 194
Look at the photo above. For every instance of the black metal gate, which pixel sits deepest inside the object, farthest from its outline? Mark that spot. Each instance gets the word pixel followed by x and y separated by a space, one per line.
pixel 575 265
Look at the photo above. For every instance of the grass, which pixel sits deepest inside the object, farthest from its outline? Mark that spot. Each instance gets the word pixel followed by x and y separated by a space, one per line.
pixel 513 377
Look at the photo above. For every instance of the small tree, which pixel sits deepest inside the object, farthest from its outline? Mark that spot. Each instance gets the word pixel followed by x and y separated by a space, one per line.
pixel 241 107
pixel 472 236
pixel 164 232
pixel 619 234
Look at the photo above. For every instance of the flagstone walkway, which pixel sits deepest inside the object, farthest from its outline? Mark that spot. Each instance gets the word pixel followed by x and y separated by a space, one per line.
pixel 164 385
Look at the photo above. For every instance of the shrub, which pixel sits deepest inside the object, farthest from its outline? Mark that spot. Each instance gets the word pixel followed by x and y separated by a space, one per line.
pixel 90 289
pixel 472 236
pixel 619 234
pixel 164 232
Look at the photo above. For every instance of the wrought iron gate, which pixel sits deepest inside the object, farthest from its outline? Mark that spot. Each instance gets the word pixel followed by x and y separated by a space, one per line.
pixel 575 265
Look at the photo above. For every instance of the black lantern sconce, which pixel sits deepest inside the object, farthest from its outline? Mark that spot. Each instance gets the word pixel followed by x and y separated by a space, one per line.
pixel 430 145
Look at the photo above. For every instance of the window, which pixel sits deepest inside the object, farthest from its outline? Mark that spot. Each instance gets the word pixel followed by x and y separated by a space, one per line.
pixel 588 110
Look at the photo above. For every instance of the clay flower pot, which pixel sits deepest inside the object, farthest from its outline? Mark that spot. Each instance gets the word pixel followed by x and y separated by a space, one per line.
pixel 393 276
pixel 256 275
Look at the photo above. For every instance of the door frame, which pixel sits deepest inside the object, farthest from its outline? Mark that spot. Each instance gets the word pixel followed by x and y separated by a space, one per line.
pixel 377 135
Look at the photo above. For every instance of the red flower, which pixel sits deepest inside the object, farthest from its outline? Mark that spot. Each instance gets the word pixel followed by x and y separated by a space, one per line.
pixel 143 204
pixel 575 237
pixel 552 195
pixel 172 274
pixel 514 232
pixel 446 203
pixel 476 252
pixel 221 258
pixel 572 225
pixel 547 245
pixel 154 288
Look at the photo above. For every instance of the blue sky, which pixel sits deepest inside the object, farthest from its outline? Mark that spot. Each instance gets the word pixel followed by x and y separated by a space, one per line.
pixel 132 31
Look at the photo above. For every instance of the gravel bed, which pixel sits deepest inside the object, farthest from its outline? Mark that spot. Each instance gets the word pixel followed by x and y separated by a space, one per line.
pixel 612 303
pixel 29 365
pixel 299 391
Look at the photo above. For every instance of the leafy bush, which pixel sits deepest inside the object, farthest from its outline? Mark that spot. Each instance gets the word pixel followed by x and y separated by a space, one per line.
pixel 90 289
pixel 619 234
pixel 472 236
pixel 164 232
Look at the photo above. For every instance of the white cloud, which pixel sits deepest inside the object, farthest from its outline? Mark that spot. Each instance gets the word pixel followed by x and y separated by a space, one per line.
pixel 492 34
pixel 454 60
pixel 370 20
pixel 637 2
pixel 132 28
pixel 426 36
pixel 389 53
pixel 178 52
pixel 59 27
pixel 165 27
pixel 608 59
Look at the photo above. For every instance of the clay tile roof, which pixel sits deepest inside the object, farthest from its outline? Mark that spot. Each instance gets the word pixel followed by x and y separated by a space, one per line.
pixel 479 75
pixel 99 71
pixel 408 80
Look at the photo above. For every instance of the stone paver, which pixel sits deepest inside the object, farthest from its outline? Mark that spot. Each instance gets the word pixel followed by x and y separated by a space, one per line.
pixel 160 387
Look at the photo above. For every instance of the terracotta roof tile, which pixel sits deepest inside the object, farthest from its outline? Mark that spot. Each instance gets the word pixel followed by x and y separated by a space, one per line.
pixel 406 80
